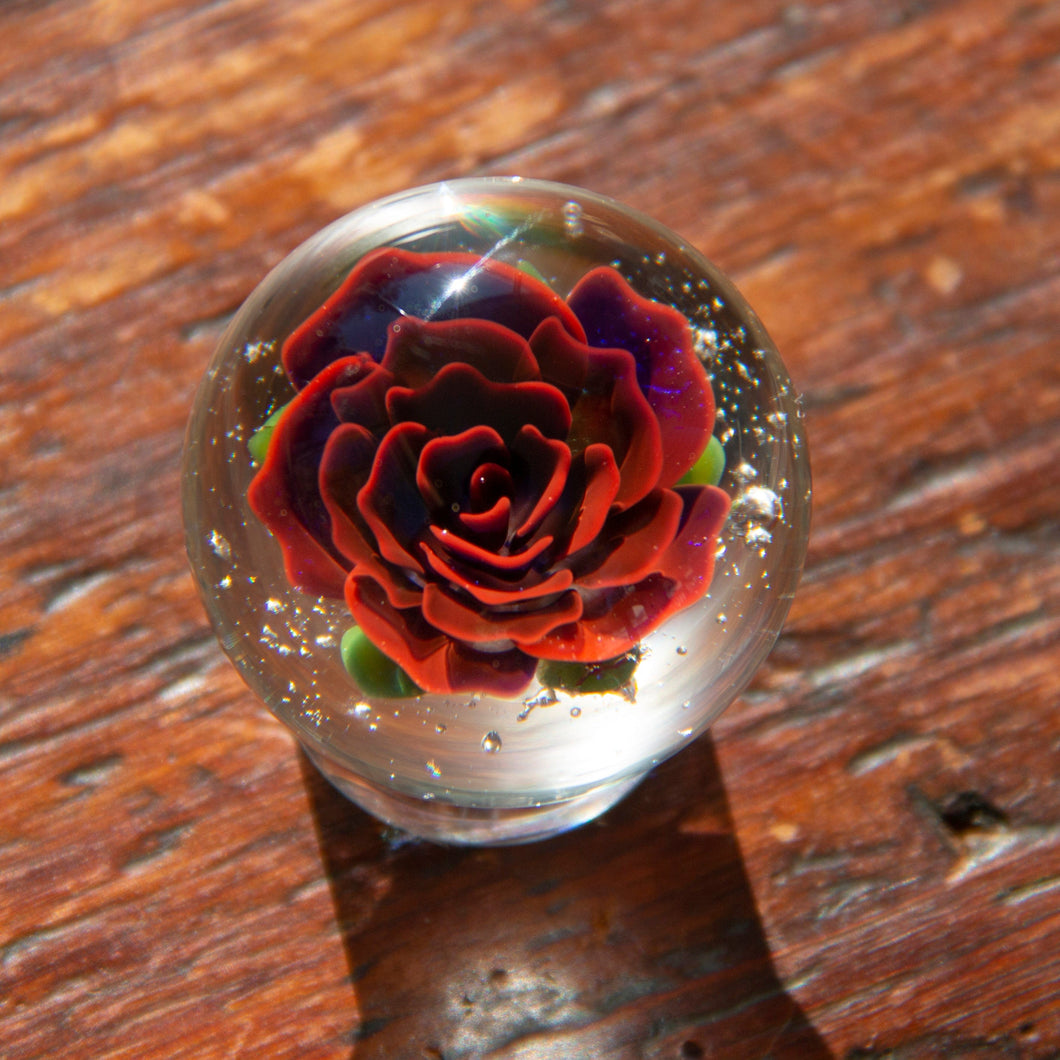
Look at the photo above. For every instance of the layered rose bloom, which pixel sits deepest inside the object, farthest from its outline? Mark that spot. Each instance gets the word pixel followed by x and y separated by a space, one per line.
pixel 487 473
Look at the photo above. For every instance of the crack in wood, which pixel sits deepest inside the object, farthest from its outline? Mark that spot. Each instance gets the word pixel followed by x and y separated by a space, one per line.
pixel 94 773
pixel 11 642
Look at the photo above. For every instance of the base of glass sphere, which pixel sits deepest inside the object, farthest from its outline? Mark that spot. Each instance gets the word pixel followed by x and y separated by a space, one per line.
pixel 439 821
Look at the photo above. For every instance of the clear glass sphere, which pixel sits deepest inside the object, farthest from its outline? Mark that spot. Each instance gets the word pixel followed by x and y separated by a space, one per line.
pixel 477 766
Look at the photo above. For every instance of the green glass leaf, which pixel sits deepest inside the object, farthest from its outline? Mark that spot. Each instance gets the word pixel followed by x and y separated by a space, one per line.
pixel 259 440
pixel 614 675
pixel 525 266
pixel 709 468
pixel 376 674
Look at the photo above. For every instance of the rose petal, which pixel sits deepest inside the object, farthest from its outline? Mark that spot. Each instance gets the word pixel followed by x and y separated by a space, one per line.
pixel 491 526
pixel 364 403
pixel 344 469
pixel 607 406
pixel 490 516
pixel 390 283
pixel 690 556
pixel 430 658
pixel 285 493
pixel 479 625
pixel 390 501
pixel 539 469
pixel 632 543
pixel 602 479
pixel 494 591
pixel 418 350
pixel 403 635
pixel 447 465
pixel 514 563
pixel 460 397
pixel 345 466
pixel 615 619
pixel 502 673
pixel 489 484
pixel 668 371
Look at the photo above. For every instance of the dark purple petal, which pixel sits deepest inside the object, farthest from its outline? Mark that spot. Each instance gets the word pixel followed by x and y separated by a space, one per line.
pixel 389 283
pixel 669 373
pixel 460 397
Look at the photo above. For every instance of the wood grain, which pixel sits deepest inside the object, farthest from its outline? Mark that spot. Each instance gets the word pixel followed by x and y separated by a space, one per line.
pixel 864 861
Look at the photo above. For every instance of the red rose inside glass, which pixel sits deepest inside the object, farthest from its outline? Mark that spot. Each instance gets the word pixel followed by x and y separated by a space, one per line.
pixel 491 475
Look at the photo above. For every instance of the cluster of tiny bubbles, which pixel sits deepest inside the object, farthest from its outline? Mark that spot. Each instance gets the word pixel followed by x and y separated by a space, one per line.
pixel 220 545
pixel 253 351
pixel 705 342
pixel 270 639
pixel 431 768
pixel 745 373
pixel 757 535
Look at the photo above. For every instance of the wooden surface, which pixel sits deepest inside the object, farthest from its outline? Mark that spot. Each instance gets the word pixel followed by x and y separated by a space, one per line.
pixel 864 860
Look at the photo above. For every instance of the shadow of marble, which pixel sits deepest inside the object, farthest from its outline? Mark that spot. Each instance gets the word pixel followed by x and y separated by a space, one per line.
pixel 634 936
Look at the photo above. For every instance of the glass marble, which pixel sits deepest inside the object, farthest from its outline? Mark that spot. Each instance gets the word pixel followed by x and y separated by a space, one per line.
pixel 496 492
